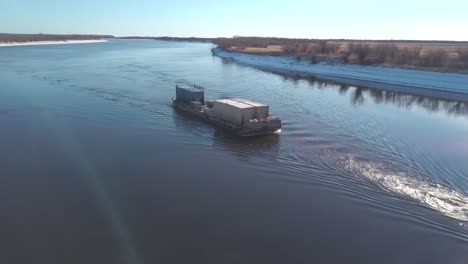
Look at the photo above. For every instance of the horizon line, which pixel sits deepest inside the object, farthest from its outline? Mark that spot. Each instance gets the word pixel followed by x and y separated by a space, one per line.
pixel 237 36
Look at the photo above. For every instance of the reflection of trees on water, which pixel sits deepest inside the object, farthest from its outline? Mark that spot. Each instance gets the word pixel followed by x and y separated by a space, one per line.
pixel 344 89
pixel 359 94
pixel 358 97
pixel 379 96
pixel 409 100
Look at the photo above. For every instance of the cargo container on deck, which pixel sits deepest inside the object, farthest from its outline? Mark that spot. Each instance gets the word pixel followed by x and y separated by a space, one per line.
pixel 187 95
pixel 262 109
pixel 234 111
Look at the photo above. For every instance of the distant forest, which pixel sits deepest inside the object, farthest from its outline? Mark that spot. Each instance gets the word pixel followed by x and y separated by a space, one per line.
pixel 4 37
pixel 439 55
pixel 189 39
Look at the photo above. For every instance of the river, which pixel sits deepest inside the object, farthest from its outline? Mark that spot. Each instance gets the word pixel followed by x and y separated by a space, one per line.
pixel 97 167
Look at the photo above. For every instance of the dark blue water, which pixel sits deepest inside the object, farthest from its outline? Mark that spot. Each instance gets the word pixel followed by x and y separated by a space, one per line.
pixel 97 167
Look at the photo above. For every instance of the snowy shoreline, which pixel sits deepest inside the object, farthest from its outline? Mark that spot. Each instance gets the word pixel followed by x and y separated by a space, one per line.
pixel 450 86
pixel 62 42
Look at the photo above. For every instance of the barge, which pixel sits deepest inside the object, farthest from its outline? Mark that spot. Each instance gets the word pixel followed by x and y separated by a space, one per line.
pixel 243 117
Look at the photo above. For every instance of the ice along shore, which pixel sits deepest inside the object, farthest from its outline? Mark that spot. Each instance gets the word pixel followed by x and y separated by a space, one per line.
pixel 450 86
pixel 61 42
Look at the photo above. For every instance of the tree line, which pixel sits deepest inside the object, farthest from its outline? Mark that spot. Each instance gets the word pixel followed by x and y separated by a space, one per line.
pixel 442 55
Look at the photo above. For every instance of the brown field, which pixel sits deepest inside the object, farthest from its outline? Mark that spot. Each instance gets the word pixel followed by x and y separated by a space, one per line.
pixel 267 49
pixel 432 55
pixel 343 47
pixel 450 48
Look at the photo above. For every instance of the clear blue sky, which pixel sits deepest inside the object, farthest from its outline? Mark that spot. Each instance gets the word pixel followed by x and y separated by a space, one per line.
pixel 357 19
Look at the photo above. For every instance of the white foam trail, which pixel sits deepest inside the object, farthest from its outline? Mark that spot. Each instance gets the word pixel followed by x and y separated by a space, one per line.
pixel 435 196
pixel 36 43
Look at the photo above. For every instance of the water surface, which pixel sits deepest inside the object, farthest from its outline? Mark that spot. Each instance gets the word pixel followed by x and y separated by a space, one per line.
pixel 97 167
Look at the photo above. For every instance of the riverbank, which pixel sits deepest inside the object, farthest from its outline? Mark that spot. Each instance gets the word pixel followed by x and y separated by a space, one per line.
pixel 445 56
pixel 62 42
pixel 450 86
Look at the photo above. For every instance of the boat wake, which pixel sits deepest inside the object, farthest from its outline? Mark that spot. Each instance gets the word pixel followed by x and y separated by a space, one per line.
pixel 435 196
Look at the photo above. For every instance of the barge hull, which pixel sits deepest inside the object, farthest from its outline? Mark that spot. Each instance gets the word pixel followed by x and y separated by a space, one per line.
pixel 234 128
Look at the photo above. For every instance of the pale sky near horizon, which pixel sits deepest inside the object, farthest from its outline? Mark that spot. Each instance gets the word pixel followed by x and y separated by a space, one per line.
pixel 352 19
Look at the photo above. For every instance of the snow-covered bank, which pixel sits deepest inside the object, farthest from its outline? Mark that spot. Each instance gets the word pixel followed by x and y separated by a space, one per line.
pixel 451 86
pixel 35 43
